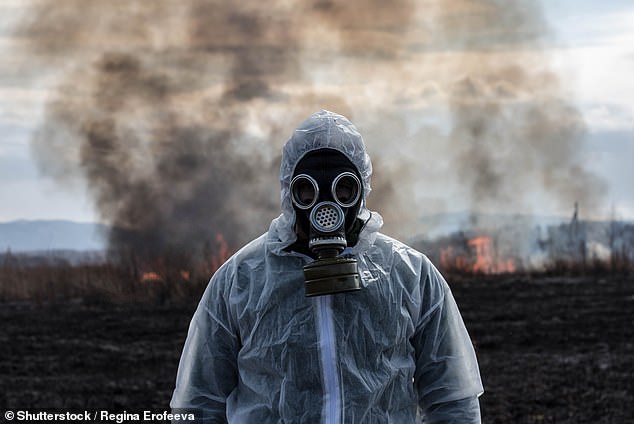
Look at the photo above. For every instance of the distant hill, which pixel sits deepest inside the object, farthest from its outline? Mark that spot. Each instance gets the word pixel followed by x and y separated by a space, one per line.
pixel 28 236
pixel 48 235
pixel 443 224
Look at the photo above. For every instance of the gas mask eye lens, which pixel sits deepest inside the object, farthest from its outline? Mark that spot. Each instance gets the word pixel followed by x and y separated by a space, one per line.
pixel 304 191
pixel 346 189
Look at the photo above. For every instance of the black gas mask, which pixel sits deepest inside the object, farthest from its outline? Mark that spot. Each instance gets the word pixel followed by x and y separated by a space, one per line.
pixel 327 193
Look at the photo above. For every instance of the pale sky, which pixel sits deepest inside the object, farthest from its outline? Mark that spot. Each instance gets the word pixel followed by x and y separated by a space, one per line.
pixel 598 55
pixel 593 54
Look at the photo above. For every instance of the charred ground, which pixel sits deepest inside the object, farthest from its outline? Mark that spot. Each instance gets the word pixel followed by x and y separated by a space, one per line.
pixel 552 349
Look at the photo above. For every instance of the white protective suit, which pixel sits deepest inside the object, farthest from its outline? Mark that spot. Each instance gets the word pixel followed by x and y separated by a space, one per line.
pixel 259 351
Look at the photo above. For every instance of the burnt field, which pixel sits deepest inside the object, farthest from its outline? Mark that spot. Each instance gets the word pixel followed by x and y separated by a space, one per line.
pixel 551 350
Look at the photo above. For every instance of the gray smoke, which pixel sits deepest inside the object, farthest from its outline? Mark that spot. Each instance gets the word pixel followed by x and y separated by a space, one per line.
pixel 513 129
pixel 175 112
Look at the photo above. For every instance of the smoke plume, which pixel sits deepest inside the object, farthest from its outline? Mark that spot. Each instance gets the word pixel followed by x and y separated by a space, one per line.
pixel 175 112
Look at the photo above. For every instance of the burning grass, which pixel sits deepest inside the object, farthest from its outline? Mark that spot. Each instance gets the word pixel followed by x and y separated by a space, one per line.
pixel 175 280
pixel 495 252
pixel 124 278
pixel 95 283
pixel 101 283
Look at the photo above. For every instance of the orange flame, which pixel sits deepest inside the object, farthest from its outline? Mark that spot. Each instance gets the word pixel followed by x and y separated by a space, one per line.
pixel 483 262
pixel 153 276
pixel 164 271
pixel 150 277
pixel 222 253
pixel 480 258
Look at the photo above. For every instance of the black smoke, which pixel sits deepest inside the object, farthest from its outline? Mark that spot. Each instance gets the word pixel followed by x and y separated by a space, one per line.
pixel 175 112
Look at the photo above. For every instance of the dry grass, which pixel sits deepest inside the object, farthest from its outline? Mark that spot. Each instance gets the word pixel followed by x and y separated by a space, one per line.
pixel 176 280
pixel 102 283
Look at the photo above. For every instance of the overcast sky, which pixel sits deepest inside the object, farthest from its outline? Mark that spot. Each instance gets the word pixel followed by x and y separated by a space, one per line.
pixel 592 51
pixel 597 56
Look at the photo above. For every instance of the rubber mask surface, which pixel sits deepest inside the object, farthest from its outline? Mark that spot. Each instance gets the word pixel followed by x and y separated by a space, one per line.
pixel 326 193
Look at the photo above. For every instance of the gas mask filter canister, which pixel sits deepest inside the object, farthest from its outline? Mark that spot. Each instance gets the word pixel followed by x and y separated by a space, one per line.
pixel 327 212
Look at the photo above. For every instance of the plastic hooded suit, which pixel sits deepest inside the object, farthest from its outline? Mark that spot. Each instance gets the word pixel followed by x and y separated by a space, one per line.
pixel 259 351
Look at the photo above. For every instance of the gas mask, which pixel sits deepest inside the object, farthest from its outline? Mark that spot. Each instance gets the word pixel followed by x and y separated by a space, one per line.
pixel 326 194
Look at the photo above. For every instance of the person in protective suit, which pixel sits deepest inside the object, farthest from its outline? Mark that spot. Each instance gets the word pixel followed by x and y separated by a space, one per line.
pixel 323 318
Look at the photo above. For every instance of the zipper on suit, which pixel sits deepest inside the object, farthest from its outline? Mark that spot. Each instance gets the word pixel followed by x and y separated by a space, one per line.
pixel 328 354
